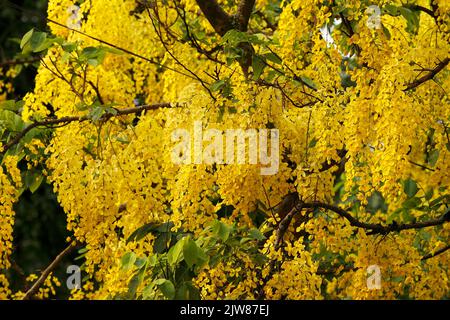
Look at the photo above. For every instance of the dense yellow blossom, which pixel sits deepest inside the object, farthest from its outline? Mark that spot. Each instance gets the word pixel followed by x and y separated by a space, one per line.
pixel 113 176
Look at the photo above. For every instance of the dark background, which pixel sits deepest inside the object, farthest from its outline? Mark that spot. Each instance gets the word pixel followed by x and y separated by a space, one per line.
pixel 40 227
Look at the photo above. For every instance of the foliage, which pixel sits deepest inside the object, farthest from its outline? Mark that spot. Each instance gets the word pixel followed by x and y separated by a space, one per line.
pixel 364 123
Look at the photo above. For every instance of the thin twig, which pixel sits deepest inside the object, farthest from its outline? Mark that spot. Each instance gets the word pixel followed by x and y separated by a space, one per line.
pixel 40 281
pixel 376 228
pixel 438 252
pixel 69 119
pixel 19 62
pixel 440 66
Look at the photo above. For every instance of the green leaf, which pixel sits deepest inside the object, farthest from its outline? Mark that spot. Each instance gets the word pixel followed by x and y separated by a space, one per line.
pixel 308 82
pixel 93 55
pixel 438 201
pixel 233 37
pixel 433 158
pixel 83 250
pixel 190 252
pixel 96 113
pixel 26 38
pixel 256 234
pixel 69 47
pixel 216 86
pixel 128 260
pixel 38 41
pixel 410 188
pixel 81 106
pixel 272 57
pixel 11 121
pixel 222 230
pixel 175 254
pixel 272 74
pixel 109 108
pixel 259 259
pixel 37 181
pixel 392 10
pixel 148 291
pixel 257 38
pixel 47 43
pixel 135 282
pixel 123 139
pixel 386 32
pixel 113 50
pixel 140 262
pixel 167 288
pixel 161 243
pixel 258 67
pixel 412 19
pixel 187 292
pixel 425 235
pixel 429 194
pixel 202 256
pixel 411 203
pixel 165 227
pixel 312 143
pixel 406 215
pixel 10 105
pixel 141 232
pixel 394 215
pixel 398 279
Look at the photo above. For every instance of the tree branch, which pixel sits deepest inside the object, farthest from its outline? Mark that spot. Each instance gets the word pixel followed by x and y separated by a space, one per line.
pixel 217 17
pixel 342 153
pixel 157 28
pixel 222 22
pixel 32 291
pixel 19 62
pixel 335 270
pixel 283 226
pixel 243 14
pixel 428 76
pixel 134 54
pixel 377 228
pixel 421 8
pixel 438 252
pixel 67 120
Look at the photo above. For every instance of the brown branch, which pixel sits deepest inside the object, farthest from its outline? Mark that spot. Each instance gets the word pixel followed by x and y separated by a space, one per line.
pixel 335 270
pixel 35 287
pixel 69 119
pixel 278 86
pixel 285 222
pixel 428 76
pixel 421 8
pixel 420 165
pixel 134 54
pixel 192 39
pixel 269 24
pixel 166 48
pixel 150 60
pixel 438 252
pixel 217 17
pixel 18 62
pixel 222 22
pixel 283 226
pixel 243 14
pixel 377 228
pixel 342 153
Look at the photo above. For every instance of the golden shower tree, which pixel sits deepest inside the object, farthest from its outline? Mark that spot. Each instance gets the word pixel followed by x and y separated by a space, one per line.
pixel 358 91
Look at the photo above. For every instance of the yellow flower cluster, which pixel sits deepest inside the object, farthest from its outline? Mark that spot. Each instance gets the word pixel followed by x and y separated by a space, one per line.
pixel 10 182
pixel 47 290
pixel 112 177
